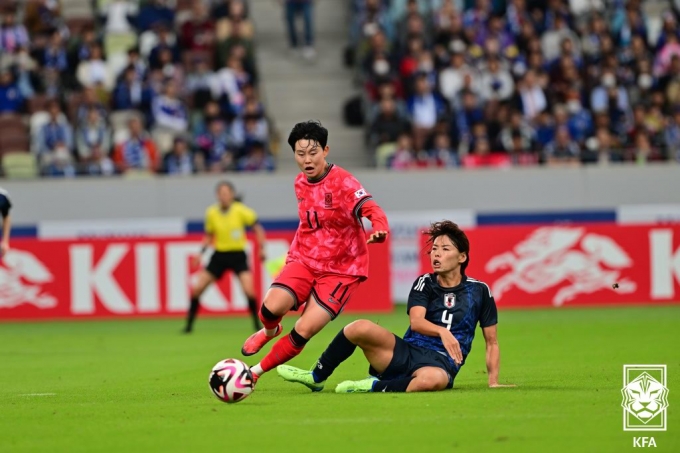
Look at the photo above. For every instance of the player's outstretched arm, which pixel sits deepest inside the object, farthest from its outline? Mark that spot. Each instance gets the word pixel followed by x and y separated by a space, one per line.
pixel 376 215
pixel 493 356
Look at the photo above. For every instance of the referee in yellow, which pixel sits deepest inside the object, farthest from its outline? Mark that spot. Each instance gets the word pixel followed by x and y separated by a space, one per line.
pixel 225 229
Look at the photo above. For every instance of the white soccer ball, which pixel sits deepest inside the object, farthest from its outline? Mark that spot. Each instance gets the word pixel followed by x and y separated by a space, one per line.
pixel 231 381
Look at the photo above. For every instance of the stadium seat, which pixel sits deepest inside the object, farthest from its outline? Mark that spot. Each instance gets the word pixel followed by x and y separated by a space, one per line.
pixel 11 122
pixel 120 118
pixel 19 164
pixel 38 103
pixel 13 140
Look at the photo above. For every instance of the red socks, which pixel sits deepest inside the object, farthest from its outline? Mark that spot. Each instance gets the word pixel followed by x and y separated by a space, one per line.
pixel 269 324
pixel 282 351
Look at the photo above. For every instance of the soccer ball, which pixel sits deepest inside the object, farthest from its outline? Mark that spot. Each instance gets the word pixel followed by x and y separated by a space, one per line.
pixel 231 381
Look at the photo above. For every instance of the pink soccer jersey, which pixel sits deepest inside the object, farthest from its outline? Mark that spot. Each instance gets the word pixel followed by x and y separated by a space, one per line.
pixel 330 237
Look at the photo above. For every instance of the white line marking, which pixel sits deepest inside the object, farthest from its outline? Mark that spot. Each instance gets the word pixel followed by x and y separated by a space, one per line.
pixel 38 394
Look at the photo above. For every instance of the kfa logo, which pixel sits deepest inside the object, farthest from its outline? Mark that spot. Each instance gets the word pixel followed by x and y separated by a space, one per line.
pixel 328 200
pixel 449 300
pixel 645 398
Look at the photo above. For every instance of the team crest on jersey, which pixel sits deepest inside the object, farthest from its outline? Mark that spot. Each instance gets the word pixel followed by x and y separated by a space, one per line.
pixel 449 300
pixel 328 200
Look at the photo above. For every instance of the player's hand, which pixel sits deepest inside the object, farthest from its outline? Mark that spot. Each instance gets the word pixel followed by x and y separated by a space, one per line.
pixel 263 253
pixel 4 248
pixel 452 346
pixel 501 386
pixel 196 261
pixel 377 237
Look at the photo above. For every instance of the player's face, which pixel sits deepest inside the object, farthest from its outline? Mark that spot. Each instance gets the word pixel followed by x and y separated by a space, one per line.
pixel 445 256
pixel 310 158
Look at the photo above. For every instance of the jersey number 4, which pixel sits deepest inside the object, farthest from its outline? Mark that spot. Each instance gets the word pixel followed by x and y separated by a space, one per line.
pixel 447 318
pixel 313 220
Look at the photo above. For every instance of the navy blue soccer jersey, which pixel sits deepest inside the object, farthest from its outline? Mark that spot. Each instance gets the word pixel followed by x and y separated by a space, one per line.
pixel 5 203
pixel 459 309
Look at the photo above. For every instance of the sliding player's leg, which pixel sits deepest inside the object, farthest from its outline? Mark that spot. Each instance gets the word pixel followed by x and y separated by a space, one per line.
pixel 377 344
pixel 412 369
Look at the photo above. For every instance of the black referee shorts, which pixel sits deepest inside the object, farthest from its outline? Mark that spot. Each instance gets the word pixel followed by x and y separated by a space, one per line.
pixel 221 262
pixel 407 358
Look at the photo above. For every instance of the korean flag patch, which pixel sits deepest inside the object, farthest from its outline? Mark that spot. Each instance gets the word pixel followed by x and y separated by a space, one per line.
pixel 360 193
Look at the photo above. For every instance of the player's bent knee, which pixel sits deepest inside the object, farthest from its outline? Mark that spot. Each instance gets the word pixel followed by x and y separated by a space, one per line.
pixel 430 381
pixel 358 329
pixel 278 301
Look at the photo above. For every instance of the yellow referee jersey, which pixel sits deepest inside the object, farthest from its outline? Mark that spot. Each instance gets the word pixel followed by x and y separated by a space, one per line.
pixel 229 227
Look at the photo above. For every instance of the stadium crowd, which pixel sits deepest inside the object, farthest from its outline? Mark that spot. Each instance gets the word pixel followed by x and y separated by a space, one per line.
pixel 155 86
pixel 450 83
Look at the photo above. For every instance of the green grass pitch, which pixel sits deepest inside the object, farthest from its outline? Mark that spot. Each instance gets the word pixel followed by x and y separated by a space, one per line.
pixel 128 386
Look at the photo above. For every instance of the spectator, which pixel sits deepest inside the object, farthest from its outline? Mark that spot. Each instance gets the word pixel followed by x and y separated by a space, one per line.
pixel 531 96
pixel 388 124
pixel 442 152
pixel 517 129
pixel 199 83
pixel 304 8
pixel 54 56
pixel 13 36
pixel 457 76
pixel 198 33
pixel 256 160
pixel 92 134
pixel 93 72
pixel 671 136
pixel 166 43
pixel 601 149
pixel 217 154
pixel 519 153
pixel 403 157
pixel 131 93
pixel 496 83
pixel 169 111
pixel 90 101
pixel 156 12
pixel 425 108
pixel 562 150
pixel 99 164
pixel 59 165
pixel 227 85
pixel 644 152
pixel 11 99
pixel 43 17
pixel 56 136
pixel 552 42
pixel 138 152
pixel 179 161
pixel 580 120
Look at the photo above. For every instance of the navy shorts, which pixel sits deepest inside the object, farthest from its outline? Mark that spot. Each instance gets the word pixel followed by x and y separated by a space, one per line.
pixel 221 262
pixel 407 358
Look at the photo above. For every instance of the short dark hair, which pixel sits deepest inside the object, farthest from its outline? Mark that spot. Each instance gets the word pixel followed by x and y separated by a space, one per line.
pixel 308 130
pixel 452 231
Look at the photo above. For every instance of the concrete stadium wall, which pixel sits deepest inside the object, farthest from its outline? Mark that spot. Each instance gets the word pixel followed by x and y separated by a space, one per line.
pixel 512 190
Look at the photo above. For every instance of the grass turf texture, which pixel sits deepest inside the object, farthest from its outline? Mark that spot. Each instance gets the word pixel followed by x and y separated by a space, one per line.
pixel 141 386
